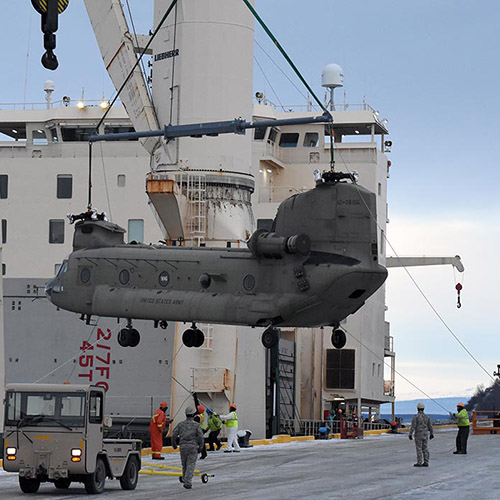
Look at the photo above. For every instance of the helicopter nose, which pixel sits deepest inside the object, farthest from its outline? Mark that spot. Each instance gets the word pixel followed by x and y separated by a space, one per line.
pixel 52 287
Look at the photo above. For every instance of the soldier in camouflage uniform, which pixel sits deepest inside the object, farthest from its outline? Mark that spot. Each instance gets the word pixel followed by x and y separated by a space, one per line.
pixel 189 436
pixel 421 426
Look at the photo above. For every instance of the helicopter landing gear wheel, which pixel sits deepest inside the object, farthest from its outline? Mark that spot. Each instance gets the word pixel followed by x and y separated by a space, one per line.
pixel 270 337
pixel 193 337
pixel 163 324
pixel 339 338
pixel 134 338
pixel 123 337
pixel 199 338
pixel 129 337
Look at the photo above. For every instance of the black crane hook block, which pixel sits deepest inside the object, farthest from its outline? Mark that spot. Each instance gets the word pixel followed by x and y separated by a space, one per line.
pixel 49 10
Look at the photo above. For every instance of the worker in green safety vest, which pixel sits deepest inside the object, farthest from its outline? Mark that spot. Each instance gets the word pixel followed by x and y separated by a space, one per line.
pixel 463 423
pixel 214 426
pixel 231 421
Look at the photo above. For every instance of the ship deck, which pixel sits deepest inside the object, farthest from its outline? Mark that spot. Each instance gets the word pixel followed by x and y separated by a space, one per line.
pixel 378 467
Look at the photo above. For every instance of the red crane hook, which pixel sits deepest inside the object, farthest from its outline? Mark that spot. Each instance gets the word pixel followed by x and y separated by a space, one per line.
pixel 458 288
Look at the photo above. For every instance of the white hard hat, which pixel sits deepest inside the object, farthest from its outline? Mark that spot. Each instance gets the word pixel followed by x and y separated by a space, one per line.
pixel 420 406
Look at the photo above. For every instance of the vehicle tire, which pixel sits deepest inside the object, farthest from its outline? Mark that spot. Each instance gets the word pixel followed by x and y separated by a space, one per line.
pixel 188 338
pixel 204 478
pixel 199 338
pixel 124 337
pixel 134 338
pixel 128 481
pixel 62 484
pixel 339 339
pixel 94 483
pixel 270 337
pixel 29 485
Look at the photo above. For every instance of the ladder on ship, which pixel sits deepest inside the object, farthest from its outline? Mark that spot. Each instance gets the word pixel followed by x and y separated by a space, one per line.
pixel 196 194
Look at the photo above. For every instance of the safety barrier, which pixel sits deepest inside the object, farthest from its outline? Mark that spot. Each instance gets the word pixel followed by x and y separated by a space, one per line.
pixel 485 422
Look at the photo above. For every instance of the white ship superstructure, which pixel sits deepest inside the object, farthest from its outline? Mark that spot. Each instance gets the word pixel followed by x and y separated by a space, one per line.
pixel 199 193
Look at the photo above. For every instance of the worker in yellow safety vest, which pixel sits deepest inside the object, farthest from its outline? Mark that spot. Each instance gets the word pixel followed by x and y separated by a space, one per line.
pixel 231 421
pixel 463 423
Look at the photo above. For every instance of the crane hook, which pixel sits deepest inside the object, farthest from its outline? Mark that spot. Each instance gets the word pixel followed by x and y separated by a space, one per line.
pixel 458 288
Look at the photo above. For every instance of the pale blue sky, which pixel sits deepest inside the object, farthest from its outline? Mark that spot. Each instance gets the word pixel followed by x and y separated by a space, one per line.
pixel 431 67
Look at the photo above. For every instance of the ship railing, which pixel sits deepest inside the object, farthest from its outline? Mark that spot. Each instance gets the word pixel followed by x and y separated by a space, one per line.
pixel 29 106
pixel 344 106
pixel 486 422
pixel 304 427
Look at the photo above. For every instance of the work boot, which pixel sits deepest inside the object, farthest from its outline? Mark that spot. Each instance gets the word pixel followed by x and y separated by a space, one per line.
pixel 187 486
pixel 180 479
pixel 228 451
pixel 425 464
pixel 219 446
pixel 418 465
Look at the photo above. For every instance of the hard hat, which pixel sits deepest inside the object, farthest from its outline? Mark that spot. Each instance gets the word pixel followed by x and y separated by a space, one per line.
pixel 420 405
pixel 461 404
pixel 200 408
pixel 233 406
pixel 163 404
pixel 190 411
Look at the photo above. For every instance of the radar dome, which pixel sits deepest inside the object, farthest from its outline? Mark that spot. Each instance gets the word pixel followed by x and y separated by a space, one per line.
pixel 332 76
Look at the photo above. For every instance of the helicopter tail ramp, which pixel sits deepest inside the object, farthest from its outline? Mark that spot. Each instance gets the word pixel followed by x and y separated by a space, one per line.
pixel 118 50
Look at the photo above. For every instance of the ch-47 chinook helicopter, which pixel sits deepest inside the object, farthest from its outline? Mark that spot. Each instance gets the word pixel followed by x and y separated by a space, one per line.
pixel 317 265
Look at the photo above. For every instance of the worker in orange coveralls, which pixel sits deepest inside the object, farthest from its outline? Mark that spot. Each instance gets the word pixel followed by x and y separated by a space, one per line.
pixel 156 427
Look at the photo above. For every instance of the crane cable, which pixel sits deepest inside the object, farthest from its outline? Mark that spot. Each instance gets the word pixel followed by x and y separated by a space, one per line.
pixel 299 75
pixel 436 312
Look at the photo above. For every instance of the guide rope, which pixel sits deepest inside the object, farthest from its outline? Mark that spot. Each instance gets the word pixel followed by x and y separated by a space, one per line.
pixel 429 303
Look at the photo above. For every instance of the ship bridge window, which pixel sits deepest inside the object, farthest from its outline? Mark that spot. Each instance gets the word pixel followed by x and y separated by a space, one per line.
pixel 119 130
pixel 289 140
pixel 56 231
pixel 64 186
pixel 4 186
pixel 272 135
pixel 13 132
pixel 53 133
pixel 259 133
pixel 4 231
pixel 76 134
pixel 311 140
pixel 4 269
pixel 39 137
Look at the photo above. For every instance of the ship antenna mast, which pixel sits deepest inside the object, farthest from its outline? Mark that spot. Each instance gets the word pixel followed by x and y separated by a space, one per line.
pixel 301 78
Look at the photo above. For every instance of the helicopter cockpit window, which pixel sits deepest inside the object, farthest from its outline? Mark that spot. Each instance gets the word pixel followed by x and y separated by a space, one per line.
pixel 289 140
pixel 62 269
